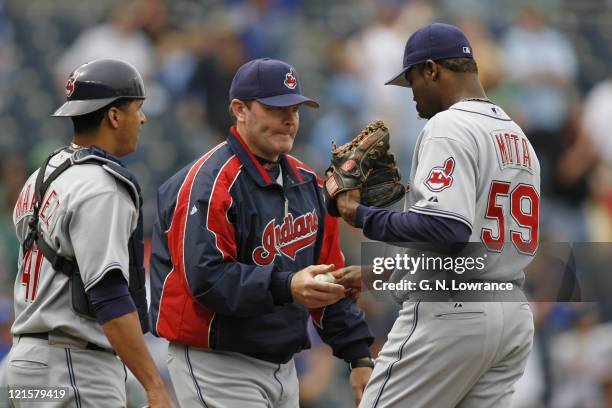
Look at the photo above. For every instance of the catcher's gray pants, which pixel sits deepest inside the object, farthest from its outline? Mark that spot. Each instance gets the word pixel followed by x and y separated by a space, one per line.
pixel 447 354
pixel 218 379
pixel 90 378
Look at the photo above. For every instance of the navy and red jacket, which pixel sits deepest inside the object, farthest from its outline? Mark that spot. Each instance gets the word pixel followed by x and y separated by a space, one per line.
pixel 226 243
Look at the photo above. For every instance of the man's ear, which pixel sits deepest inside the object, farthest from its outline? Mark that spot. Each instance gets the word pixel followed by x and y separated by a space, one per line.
pixel 431 71
pixel 113 115
pixel 238 108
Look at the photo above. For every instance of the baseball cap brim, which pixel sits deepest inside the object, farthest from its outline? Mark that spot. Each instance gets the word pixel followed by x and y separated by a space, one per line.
pixel 282 101
pixel 399 79
pixel 82 107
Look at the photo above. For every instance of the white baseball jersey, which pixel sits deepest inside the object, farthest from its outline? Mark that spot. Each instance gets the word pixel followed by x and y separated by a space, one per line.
pixel 87 215
pixel 473 164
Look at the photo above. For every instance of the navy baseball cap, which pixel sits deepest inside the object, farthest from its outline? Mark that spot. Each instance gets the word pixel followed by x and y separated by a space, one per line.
pixel 435 41
pixel 269 81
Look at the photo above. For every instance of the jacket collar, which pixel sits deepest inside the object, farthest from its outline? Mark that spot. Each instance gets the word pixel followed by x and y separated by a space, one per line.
pixel 256 170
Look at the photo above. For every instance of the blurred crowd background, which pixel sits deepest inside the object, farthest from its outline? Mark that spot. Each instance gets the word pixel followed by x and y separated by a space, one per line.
pixel 547 63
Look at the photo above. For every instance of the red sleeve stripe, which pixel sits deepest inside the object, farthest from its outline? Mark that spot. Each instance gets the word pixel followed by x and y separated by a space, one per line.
pixel 188 183
pixel 161 302
pixel 181 318
pixel 331 253
pixel 220 201
pixel 181 212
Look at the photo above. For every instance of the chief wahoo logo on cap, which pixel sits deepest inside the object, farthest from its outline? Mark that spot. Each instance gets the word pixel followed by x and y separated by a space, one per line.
pixel 70 83
pixel 290 80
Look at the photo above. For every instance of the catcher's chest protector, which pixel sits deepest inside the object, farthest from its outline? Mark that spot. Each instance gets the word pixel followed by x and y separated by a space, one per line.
pixel 80 301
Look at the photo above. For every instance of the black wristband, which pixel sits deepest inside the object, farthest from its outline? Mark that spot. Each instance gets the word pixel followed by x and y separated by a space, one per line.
pixel 362 362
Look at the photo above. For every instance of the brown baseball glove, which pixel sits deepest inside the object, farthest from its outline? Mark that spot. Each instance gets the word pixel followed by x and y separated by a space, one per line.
pixel 365 163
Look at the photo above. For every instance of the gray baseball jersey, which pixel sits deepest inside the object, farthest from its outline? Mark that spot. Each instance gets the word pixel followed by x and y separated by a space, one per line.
pixel 87 215
pixel 473 164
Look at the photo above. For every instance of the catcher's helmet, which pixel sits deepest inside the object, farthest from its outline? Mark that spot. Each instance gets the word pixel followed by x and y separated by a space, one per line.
pixel 98 83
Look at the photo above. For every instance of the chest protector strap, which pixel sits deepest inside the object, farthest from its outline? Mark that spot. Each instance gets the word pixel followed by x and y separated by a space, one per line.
pixel 69 267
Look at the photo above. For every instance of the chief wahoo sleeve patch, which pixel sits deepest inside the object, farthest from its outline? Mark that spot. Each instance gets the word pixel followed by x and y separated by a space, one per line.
pixel 440 177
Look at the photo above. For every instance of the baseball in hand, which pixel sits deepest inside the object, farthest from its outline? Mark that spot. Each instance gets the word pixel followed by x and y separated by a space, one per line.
pixel 325 277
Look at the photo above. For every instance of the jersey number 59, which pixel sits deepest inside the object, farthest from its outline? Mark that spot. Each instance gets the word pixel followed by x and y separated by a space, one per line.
pixel 524 208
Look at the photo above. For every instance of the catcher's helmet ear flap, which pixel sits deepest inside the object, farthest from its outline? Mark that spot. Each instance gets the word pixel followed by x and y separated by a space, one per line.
pixel 97 83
